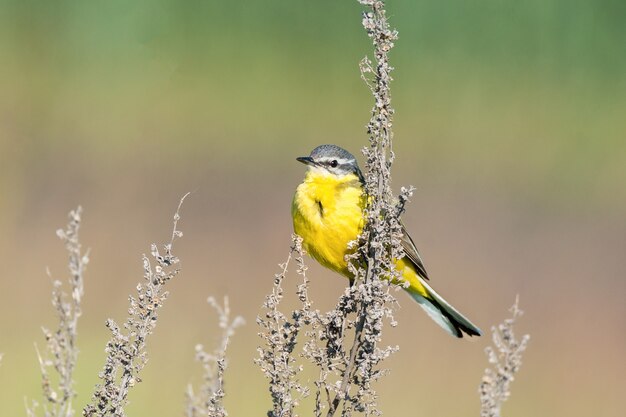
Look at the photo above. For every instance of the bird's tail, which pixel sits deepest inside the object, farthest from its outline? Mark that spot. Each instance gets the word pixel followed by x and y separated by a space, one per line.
pixel 444 314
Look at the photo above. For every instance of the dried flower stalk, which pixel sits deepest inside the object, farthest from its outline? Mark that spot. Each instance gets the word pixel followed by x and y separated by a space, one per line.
pixel 344 343
pixel 126 350
pixel 207 401
pixel 506 358
pixel 279 334
pixel 379 243
pixel 61 350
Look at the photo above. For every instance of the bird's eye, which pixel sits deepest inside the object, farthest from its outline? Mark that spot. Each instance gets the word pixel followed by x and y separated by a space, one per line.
pixel 334 163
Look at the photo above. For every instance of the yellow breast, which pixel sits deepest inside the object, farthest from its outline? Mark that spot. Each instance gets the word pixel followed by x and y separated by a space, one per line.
pixel 328 213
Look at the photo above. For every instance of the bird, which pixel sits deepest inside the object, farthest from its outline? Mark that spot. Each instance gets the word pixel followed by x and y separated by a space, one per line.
pixel 328 213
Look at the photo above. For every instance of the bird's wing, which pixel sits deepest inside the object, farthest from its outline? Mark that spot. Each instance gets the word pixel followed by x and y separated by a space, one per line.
pixel 411 252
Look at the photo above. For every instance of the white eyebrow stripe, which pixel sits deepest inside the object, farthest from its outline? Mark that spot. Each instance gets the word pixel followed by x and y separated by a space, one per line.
pixel 340 161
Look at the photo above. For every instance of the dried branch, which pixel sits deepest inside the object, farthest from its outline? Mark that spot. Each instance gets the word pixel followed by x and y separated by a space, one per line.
pixel 506 358
pixel 61 350
pixel 379 243
pixel 207 401
pixel 279 334
pixel 126 350
pixel 344 343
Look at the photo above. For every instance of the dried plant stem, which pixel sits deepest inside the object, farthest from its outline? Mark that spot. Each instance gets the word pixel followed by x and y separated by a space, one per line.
pixel 344 343
pixel 379 241
pixel 207 402
pixel 61 350
pixel 279 333
pixel 345 382
pixel 506 359
pixel 126 350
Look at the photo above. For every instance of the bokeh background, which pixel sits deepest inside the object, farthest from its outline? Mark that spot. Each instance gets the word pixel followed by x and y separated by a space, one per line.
pixel 511 123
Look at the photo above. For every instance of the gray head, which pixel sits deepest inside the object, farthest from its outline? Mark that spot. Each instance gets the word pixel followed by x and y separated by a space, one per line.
pixel 333 160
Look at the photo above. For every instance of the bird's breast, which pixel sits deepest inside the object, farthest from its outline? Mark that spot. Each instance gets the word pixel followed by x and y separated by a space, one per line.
pixel 328 214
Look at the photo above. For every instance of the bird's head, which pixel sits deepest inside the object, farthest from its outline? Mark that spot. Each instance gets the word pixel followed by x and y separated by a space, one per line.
pixel 331 160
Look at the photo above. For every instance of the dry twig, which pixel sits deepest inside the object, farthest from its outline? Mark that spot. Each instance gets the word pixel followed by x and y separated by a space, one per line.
pixel 126 350
pixel 344 342
pixel 207 402
pixel 506 358
pixel 279 334
pixel 379 242
pixel 61 350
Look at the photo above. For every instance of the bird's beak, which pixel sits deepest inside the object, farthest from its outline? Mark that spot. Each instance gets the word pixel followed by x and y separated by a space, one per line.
pixel 306 160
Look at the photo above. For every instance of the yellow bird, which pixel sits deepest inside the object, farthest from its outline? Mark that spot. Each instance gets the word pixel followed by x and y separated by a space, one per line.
pixel 327 212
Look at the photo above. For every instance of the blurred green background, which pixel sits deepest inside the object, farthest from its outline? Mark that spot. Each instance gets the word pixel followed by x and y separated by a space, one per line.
pixel 511 123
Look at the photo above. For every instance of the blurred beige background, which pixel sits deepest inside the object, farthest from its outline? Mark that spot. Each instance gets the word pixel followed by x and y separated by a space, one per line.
pixel 510 123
